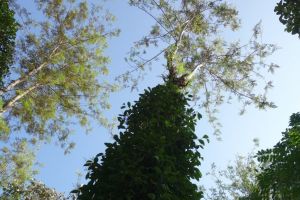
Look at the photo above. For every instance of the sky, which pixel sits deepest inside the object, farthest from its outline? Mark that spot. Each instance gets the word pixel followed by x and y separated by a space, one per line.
pixel 59 170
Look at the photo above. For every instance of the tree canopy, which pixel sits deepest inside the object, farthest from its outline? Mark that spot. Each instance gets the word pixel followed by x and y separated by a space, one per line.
pixel 280 165
pixel 58 78
pixel 155 156
pixel 8 30
pixel 289 15
pixel 187 34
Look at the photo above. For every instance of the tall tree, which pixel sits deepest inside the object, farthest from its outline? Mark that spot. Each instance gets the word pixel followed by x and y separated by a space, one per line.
pixel 155 156
pixel 8 30
pixel 59 73
pixel 57 78
pixel 289 15
pixel 280 165
pixel 187 33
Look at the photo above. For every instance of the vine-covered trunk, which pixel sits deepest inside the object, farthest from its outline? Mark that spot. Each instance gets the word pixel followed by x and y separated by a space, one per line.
pixel 155 156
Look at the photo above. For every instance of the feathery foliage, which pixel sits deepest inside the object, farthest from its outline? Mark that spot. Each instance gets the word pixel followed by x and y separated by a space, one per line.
pixel 59 72
pixel 188 35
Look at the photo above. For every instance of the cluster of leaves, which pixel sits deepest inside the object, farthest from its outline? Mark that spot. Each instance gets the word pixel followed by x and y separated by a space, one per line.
pixel 34 190
pixel 155 156
pixel 187 33
pixel 16 164
pixel 237 181
pixel 289 15
pixel 8 30
pixel 280 166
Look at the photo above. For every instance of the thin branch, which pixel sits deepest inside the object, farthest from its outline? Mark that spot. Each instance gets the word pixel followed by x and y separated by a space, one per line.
pixel 29 74
pixel 66 104
pixel 234 90
pixel 143 64
pixel 164 14
pixel 191 75
pixel 178 42
pixel 9 104
pixel 147 12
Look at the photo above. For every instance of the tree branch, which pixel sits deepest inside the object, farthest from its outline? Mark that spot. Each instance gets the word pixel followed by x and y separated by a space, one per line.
pixel 10 103
pixel 25 77
pixel 156 21
pixel 191 75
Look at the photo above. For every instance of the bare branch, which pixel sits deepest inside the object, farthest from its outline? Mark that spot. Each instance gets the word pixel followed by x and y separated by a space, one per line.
pixel 143 64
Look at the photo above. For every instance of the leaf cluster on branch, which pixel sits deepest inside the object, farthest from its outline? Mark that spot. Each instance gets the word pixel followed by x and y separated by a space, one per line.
pixel 8 30
pixel 280 165
pixel 289 15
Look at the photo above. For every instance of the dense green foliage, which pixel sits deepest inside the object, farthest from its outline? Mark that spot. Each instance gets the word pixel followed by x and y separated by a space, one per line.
pixel 155 156
pixel 188 35
pixel 280 165
pixel 8 30
pixel 289 15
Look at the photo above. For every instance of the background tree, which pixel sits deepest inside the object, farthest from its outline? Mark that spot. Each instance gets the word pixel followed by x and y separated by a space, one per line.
pixel 8 30
pixel 280 165
pixel 17 169
pixel 58 76
pixel 16 164
pixel 155 156
pixel 187 34
pixel 275 176
pixel 289 15
pixel 237 182
pixel 31 191
pixel 57 79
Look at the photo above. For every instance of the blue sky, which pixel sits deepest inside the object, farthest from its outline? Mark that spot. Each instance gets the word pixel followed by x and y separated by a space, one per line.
pixel 59 170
